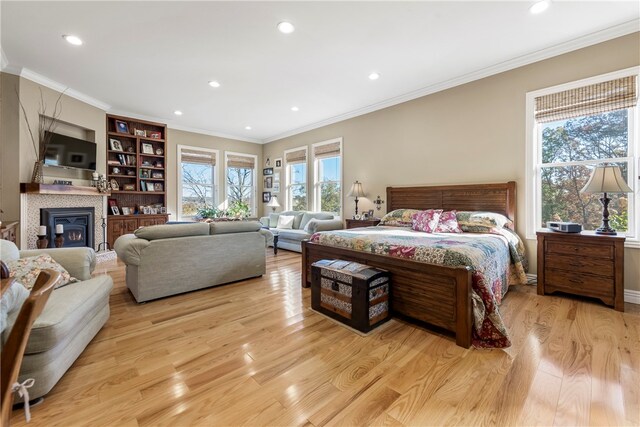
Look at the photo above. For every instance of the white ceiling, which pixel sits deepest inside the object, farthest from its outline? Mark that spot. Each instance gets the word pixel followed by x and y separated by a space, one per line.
pixel 151 58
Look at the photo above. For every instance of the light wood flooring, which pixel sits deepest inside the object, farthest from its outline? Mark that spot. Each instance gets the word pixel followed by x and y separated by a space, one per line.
pixel 253 353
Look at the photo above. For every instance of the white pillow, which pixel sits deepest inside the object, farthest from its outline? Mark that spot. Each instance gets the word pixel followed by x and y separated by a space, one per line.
pixel 285 221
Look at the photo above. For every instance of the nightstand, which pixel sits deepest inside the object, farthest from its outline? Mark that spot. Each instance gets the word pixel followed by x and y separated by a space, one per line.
pixel 586 264
pixel 356 223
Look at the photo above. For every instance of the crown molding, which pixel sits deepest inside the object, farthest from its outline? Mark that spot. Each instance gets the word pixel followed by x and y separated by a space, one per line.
pixel 559 49
pixel 177 126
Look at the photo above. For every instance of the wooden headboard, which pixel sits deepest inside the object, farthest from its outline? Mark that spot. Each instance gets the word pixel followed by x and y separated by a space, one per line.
pixel 500 198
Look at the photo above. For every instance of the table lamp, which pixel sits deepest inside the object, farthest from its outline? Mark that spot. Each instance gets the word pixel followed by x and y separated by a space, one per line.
pixel 273 203
pixel 606 178
pixel 356 191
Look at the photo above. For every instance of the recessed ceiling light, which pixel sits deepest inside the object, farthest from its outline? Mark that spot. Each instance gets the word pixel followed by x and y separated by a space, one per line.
pixel 72 40
pixel 214 83
pixel 294 108
pixel 374 76
pixel 286 27
pixel 539 7
pixel 177 113
pixel 247 127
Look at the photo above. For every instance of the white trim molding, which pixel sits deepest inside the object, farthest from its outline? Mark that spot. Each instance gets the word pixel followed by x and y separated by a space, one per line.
pixel 631 296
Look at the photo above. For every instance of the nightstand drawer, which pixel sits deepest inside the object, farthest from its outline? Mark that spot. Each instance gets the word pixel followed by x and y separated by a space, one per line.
pixel 582 284
pixel 598 266
pixel 580 249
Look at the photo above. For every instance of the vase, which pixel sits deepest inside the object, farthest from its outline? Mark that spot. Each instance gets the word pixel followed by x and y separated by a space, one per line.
pixel 37 178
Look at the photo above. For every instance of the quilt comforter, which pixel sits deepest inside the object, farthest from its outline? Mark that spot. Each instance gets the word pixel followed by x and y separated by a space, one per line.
pixel 497 260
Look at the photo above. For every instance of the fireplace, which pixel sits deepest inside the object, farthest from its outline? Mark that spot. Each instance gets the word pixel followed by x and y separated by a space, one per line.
pixel 78 225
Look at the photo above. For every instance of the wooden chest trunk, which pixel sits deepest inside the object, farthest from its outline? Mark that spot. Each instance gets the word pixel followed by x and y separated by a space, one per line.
pixel 355 294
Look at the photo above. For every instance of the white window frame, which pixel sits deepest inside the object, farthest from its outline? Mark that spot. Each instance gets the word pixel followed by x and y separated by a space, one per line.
pixel 216 186
pixel 254 207
pixel 316 169
pixel 533 157
pixel 287 191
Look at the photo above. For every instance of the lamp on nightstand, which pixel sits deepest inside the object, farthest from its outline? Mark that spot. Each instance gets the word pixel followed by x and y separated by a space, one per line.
pixel 606 178
pixel 273 203
pixel 356 191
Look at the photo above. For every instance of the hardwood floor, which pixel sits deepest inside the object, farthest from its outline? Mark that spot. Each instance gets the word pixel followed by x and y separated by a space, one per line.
pixel 253 353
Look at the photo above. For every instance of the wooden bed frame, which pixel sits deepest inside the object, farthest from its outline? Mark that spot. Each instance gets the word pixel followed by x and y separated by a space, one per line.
pixel 435 294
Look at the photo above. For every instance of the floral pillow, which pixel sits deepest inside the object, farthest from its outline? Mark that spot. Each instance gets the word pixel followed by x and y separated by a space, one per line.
pixel 482 222
pixel 448 223
pixel 26 270
pixel 399 218
pixel 426 220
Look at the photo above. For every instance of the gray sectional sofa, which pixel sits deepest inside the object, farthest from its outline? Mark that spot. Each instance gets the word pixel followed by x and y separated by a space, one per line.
pixel 170 259
pixel 304 225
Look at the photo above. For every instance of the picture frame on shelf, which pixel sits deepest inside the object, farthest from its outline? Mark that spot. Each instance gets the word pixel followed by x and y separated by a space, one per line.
pixel 122 126
pixel 112 202
pixel 129 187
pixel 157 175
pixel 115 144
pixel 144 173
pixel 114 185
pixel 146 210
pixel 267 171
pixel 158 186
pixel 126 211
pixel 153 211
pixel 140 132
pixel 163 210
pixel 266 197
pixel 115 210
pixel 150 186
pixel 153 134
pixel 147 148
pixel 278 163
pixel 159 151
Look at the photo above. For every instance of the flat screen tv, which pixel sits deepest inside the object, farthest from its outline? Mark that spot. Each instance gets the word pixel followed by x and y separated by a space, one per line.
pixel 70 152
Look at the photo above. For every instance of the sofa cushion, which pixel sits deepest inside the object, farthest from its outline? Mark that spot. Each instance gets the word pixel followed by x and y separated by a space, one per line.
pixel 26 270
pixel 67 307
pixel 285 222
pixel 227 227
pixel 273 219
pixel 308 216
pixel 156 232
pixel 298 218
pixel 297 235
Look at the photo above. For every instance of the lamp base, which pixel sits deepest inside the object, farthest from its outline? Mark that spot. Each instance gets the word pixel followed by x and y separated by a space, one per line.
pixel 606 231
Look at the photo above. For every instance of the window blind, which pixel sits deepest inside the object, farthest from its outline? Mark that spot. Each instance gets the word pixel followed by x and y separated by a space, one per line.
pixel 197 156
pixel 298 156
pixel 587 100
pixel 327 150
pixel 240 161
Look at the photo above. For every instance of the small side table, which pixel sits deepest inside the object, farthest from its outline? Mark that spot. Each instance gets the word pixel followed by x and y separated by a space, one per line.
pixel 356 223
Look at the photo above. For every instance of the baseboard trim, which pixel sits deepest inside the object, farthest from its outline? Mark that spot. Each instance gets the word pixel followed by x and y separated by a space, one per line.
pixel 632 296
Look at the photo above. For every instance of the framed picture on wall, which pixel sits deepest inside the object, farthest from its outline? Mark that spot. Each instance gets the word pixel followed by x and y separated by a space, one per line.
pixel 278 163
pixel 267 171
pixel 266 197
pixel 276 187
pixel 268 182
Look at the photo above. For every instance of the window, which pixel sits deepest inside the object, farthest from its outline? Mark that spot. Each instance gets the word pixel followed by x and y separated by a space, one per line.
pixel 197 187
pixel 296 179
pixel 328 176
pixel 574 128
pixel 240 179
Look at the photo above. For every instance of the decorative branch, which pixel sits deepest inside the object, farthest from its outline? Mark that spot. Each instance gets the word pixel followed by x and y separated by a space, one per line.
pixel 46 124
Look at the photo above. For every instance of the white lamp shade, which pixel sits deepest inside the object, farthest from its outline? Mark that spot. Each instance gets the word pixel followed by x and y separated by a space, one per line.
pixel 273 203
pixel 606 178
pixel 356 190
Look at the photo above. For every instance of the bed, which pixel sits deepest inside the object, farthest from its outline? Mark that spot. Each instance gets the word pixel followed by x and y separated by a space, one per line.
pixel 436 294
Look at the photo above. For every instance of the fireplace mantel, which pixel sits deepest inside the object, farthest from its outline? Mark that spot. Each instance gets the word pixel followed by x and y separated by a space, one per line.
pixel 74 190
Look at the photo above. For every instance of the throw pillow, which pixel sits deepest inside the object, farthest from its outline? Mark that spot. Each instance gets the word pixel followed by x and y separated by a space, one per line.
pixel 448 223
pixel 426 221
pixel 482 222
pixel 11 301
pixel 26 270
pixel 399 218
pixel 285 222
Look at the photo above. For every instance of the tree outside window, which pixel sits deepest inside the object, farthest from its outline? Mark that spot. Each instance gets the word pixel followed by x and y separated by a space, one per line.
pixel 240 187
pixel 198 189
pixel 570 150
pixel 328 185
pixel 297 186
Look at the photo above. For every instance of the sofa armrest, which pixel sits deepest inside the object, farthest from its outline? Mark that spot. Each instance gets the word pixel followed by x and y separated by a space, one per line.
pixel 79 262
pixel 315 225
pixel 129 248
pixel 264 221
pixel 268 237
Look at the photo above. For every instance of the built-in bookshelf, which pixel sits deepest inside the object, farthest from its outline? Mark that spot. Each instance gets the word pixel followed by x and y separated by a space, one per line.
pixel 136 160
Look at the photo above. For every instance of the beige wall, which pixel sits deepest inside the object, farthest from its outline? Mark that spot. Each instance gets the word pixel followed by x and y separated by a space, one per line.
pixel 9 148
pixel 473 133
pixel 178 137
